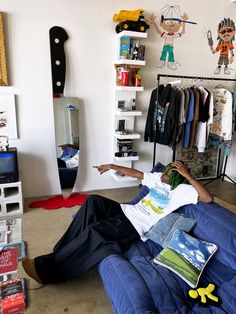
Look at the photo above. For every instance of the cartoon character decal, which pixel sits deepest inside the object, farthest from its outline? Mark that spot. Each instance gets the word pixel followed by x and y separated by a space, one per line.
pixel 226 36
pixel 171 23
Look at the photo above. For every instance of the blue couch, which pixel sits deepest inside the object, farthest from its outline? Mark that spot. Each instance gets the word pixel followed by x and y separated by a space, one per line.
pixel 136 285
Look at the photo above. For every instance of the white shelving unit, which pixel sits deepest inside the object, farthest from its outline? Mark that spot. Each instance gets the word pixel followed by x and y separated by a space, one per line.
pixel 126 94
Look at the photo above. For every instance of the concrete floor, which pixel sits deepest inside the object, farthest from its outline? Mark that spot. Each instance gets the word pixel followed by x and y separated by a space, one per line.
pixel 84 295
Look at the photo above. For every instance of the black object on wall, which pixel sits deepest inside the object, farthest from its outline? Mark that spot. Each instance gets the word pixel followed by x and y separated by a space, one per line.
pixel 58 36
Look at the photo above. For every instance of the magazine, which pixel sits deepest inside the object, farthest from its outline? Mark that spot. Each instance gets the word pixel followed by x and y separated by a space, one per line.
pixel 10 230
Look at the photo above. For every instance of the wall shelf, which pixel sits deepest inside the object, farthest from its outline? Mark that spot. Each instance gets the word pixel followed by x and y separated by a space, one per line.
pixel 132 34
pixel 129 158
pixel 130 88
pixel 128 113
pixel 123 178
pixel 127 136
pixel 130 62
pixel 129 47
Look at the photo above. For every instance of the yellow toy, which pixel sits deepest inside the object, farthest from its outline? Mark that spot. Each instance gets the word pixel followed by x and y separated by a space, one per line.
pixel 130 20
pixel 204 294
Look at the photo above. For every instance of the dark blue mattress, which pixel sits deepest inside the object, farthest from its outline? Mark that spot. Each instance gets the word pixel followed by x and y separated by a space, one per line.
pixel 135 284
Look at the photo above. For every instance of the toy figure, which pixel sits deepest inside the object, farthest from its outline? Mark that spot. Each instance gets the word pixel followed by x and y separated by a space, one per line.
pixel 171 22
pixel 204 293
pixel 226 35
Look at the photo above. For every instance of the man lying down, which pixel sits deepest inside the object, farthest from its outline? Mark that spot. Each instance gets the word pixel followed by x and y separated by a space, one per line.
pixel 102 226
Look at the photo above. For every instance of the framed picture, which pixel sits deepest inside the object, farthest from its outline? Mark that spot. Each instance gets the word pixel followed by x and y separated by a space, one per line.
pixel 8 125
pixel 202 165
pixel 3 59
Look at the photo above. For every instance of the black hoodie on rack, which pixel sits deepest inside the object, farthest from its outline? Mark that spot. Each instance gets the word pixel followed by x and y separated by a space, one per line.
pixel 163 116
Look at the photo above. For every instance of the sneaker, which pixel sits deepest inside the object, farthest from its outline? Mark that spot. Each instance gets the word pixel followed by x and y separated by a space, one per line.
pixel 217 71
pixel 172 65
pixel 226 70
pixel 161 64
pixel 29 268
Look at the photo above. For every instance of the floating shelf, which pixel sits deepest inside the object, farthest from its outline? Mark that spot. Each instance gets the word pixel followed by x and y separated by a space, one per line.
pixel 123 179
pixel 132 34
pixel 128 113
pixel 130 88
pixel 127 136
pixel 130 158
pixel 130 62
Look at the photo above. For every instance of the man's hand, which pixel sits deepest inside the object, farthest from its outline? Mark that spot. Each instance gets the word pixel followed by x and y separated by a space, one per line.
pixel 231 59
pixel 103 168
pixel 182 169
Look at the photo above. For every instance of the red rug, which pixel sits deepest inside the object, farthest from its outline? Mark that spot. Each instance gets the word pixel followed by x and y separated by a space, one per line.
pixel 59 201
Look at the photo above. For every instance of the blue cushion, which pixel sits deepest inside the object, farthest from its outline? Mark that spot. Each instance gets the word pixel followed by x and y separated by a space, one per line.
pixel 163 230
pixel 186 256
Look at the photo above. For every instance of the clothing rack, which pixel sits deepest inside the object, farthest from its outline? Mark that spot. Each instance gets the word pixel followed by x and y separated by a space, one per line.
pixel 201 78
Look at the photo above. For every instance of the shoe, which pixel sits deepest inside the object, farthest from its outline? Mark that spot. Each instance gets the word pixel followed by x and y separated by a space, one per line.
pixel 217 71
pixel 172 65
pixel 29 268
pixel 161 64
pixel 226 70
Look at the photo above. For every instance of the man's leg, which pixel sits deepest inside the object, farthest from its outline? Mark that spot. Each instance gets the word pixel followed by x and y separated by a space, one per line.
pixel 103 230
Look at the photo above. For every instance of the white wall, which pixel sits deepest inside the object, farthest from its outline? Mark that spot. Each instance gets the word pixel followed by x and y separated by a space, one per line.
pixel 90 77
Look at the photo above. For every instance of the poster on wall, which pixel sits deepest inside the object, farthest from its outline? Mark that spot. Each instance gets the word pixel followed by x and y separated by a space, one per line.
pixel 172 27
pixel 201 165
pixel 224 47
pixel 8 116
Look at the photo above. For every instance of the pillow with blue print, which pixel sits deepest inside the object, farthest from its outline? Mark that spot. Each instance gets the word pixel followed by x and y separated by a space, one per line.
pixel 162 232
pixel 186 256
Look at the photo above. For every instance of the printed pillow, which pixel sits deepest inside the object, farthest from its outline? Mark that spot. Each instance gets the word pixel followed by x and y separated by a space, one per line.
pixel 186 256
pixel 163 230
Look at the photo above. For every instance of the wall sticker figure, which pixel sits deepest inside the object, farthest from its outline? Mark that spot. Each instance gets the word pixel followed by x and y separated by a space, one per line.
pixel 226 36
pixel 171 23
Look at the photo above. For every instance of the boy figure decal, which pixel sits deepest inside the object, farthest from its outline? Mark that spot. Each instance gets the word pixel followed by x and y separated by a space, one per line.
pixel 171 22
pixel 226 36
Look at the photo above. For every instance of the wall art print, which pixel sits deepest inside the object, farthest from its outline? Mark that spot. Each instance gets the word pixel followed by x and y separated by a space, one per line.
pixel 8 125
pixel 3 61
pixel 225 47
pixel 172 27
pixel 201 165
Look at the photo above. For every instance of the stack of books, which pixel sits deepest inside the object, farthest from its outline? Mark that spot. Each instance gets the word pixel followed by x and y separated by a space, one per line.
pixel 13 294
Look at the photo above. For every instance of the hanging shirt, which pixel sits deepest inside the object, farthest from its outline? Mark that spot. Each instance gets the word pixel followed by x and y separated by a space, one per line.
pixel 195 118
pixel 162 119
pixel 203 117
pixel 158 203
pixel 222 118
pixel 189 120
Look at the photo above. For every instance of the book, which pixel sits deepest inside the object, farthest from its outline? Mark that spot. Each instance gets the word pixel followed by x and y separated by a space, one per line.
pixel 8 261
pixel 124 47
pixel 13 296
pixel 21 246
pixel 12 228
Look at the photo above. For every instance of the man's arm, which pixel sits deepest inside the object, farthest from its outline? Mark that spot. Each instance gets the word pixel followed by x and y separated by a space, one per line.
pixel 124 170
pixel 203 193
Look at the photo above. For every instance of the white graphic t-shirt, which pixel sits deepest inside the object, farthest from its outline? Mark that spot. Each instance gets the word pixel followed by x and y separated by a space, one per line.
pixel 158 203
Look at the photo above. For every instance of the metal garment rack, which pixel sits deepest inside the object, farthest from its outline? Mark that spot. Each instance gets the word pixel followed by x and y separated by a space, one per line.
pixel 202 78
